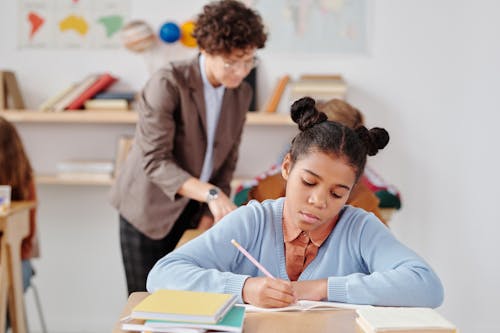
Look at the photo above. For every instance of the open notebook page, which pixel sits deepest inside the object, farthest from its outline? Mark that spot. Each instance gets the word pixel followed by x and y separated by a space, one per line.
pixel 304 305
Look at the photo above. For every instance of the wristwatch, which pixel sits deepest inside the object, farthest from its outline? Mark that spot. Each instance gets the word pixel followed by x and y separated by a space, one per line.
pixel 213 194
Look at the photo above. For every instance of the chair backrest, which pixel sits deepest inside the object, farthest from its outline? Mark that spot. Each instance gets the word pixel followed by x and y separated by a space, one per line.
pixel 123 148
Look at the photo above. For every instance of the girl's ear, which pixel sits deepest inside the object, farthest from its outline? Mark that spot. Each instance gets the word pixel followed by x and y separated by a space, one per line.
pixel 286 166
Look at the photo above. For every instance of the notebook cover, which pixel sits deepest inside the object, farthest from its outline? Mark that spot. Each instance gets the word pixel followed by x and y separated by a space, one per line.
pixel 181 305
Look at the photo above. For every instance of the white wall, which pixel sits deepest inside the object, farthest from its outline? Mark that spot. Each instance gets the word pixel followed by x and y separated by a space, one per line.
pixel 429 78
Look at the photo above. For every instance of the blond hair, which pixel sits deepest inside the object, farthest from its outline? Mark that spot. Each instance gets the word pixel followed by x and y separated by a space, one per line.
pixel 342 112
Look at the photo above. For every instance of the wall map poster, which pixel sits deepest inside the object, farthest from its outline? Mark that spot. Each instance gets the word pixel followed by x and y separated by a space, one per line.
pixel 330 26
pixel 71 23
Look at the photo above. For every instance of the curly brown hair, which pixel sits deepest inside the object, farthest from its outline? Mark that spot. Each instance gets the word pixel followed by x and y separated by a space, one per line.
pixel 229 25
pixel 15 167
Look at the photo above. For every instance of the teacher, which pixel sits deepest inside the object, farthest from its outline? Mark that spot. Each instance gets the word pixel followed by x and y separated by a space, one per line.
pixel 191 116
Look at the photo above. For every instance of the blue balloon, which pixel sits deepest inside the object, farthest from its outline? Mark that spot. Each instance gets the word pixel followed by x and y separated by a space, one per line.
pixel 170 32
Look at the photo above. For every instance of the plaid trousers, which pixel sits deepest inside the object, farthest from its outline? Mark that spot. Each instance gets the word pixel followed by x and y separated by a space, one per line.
pixel 140 253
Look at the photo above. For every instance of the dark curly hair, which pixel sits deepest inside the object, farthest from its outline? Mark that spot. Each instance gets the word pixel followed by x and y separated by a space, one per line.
pixel 15 169
pixel 317 133
pixel 228 25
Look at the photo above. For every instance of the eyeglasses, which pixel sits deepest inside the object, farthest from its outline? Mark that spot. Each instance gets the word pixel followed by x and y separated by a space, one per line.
pixel 247 65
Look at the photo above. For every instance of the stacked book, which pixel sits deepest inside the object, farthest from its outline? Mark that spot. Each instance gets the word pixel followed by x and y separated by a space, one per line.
pixel 10 92
pixel 186 311
pixel 319 87
pixel 111 101
pixel 98 170
pixel 401 320
pixel 74 96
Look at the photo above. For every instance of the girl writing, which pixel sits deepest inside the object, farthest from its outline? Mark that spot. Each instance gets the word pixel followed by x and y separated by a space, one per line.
pixel 316 246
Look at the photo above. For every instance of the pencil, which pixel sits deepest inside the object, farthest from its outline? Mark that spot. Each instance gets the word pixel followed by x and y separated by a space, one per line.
pixel 252 259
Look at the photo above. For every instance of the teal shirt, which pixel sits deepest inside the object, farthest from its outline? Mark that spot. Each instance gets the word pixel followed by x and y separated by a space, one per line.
pixel 362 260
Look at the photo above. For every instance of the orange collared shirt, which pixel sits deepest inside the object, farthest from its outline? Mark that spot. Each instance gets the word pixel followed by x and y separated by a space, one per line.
pixel 301 247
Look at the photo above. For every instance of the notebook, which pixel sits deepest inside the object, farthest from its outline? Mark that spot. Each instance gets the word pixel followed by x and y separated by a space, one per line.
pixel 182 305
pixel 304 305
pixel 402 320
pixel 231 322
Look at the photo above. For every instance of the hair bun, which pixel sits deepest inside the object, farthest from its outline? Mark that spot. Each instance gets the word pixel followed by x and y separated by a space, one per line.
pixel 374 139
pixel 305 114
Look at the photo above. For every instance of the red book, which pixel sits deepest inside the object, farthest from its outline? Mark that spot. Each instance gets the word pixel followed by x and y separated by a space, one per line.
pixel 103 82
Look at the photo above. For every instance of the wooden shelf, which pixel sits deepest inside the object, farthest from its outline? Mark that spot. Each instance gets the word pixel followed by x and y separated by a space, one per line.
pixel 126 117
pixel 55 180
pixel 96 117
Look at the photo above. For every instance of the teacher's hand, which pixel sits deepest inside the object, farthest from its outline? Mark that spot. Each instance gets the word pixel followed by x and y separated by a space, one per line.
pixel 313 290
pixel 221 206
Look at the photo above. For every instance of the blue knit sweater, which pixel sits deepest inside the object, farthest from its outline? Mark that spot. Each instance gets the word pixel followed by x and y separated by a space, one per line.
pixel 362 260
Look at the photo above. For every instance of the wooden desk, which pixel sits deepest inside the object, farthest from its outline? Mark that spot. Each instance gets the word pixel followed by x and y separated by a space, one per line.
pixel 335 321
pixel 14 226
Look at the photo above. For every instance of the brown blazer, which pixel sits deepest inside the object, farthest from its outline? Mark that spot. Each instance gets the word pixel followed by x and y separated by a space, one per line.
pixel 169 147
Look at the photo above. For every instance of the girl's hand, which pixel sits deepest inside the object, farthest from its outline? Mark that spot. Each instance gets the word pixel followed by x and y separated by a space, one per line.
pixel 268 293
pixel 312 290
pixel 221 206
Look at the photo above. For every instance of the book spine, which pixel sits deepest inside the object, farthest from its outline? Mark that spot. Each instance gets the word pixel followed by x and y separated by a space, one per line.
pixel 3 98
pixel 104 81
pixel 85 166
pixel 73 93
pixel 129 96
pixel 12 89
pixel 278 92
pixel 106 104
pixel 49 104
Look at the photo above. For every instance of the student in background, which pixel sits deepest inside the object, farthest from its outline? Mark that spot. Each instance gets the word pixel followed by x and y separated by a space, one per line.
pixel 316 246
pixel 16 171
pixel 191 116
pixel 273 186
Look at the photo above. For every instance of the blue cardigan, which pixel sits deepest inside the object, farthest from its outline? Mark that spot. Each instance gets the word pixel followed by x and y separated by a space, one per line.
pixel 362 260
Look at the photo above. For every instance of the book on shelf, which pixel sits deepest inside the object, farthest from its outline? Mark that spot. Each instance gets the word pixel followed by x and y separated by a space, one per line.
pixel 107 104
pixel 85 176
pixel 79 88
pixel 126 95
pixel 402 320
pixel 102 82
pixel 183 305
pixel 305 305
pixel 3 95
pixel 319 87
pixel 49 103
pixel 88 170
pixel 231 322
pixel 85 166
pixel 273 102
pixel 10 93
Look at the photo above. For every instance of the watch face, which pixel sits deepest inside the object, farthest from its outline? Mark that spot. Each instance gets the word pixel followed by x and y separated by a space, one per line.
pixel 213 194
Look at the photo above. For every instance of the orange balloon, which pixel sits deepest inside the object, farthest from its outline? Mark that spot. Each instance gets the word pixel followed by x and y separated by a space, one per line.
pixel 187 29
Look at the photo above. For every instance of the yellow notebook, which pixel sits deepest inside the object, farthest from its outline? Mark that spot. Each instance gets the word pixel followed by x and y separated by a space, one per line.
pixel 181 305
